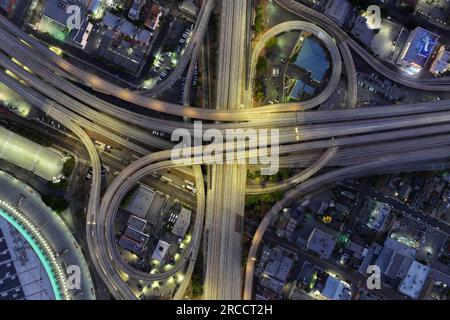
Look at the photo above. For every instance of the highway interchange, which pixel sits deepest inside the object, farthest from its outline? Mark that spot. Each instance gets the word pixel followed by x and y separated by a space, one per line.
pixel 355 141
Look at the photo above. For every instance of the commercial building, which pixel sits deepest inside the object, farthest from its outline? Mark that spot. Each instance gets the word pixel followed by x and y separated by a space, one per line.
pixel 154 17
pixel 8 6
pixel 182 223
pixel 441 63
pixel 134 239
pixel 160 251
pixel 299 89
pixel 321 243
pixel 279 269
pixel 418 49
pixel 135 10
pixel 131 245
pixel 336 289
pixel 395 260
pixel 56 11
pixel 82 36
pixel 136 235
pixel 141 201
pixel 136 223
pixel 22 275
pixel 414 281
pixel 313 58
pixel 362 32
pixel 378 214
pixel 338 10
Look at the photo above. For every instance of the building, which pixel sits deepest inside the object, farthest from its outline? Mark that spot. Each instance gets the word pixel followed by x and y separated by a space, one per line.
pixel 441 63
pixel 418 49
pixel 321 243
pixel 22 274
pixel 136 223
pixel 378 214
pixel 306 274
pixel 272 284
pixel 56 11
pixel 395 260
pixel 279 270
pixel 136 235
pixel 8 6
pixel 414 281
pixel 82 36
pixel 362 32
pixel 299 89
pixel 336 289
pixel 110 20
pixel 160 251
pixel 357 250
pixel 30 156
pixel 135 10
pixel 313 58
pixel 95 5
pixel 182 224
pixel 154 17
pixel 144 37
pixel 130 245
pixel 338 10
pixel 141 201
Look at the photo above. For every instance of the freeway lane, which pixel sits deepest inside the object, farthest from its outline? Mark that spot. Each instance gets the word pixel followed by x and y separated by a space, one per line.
pixel 100 224
pixel 226 188
pixel 156 105
pixel 168 126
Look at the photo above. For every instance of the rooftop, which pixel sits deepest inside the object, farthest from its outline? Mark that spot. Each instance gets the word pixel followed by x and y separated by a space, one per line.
pixel 338 10
pixel 321 243
pixel 336 289
pixel 56 10
pixel 415 279
pixel 419 47
pixel 142 199
pixel 182 224
pixel 313 58
pixel 378 214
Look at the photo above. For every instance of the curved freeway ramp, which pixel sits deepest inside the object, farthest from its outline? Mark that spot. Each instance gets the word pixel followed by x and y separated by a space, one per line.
pixel 336 61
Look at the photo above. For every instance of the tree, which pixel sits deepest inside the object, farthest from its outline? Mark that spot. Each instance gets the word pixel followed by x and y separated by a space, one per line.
pixel 61 185
pixel 197 285
pixel 261 65
pixel 271 43
pixel 259 20
pixel 57 204
pixel 68 167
